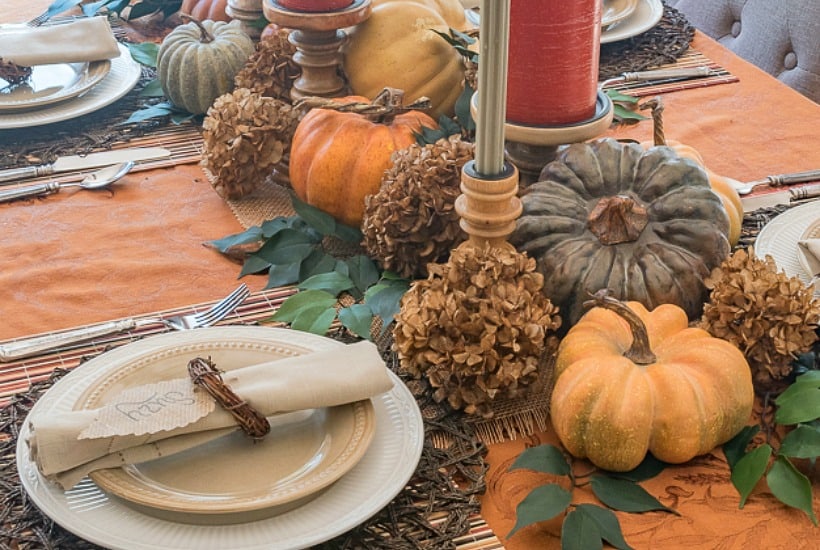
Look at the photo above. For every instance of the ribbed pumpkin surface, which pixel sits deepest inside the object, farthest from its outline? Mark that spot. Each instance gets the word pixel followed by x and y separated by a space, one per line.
pixel 194 72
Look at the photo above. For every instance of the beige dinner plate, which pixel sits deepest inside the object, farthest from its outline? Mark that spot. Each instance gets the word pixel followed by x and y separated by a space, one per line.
pixel 232 479
pixel 647 14
pixel 49 84
pixel 615 11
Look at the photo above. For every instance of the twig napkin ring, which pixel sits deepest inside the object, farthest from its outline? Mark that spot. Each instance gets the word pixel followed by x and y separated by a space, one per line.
pixel 203 373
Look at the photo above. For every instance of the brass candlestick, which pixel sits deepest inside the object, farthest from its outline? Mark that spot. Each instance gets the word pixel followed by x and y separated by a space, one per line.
pixel 318 39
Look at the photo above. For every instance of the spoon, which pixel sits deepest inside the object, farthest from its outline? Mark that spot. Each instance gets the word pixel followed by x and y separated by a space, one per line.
pixel 95 180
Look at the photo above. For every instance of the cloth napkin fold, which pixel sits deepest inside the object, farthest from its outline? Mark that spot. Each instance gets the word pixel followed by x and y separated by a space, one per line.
pixel 87 39
pixel 63 454
pixel 811 251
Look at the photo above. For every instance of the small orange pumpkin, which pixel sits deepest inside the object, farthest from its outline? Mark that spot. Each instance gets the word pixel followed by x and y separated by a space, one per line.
pixel 630 381
pixel 337 158
pixel 201 10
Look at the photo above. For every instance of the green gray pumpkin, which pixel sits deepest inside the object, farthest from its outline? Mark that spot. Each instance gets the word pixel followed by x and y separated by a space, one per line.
pixel 197 62
pixel 644 224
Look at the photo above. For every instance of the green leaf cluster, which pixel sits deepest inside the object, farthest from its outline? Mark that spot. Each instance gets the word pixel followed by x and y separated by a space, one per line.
pixel 624 107
pixel 798 406
pixel 138 9
pixel 584 526
pixel 292 252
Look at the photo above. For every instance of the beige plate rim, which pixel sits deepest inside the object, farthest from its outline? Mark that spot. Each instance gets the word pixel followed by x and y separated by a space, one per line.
pixel 646 15
pixel 615 11
pixel 85 76
pixel 350 429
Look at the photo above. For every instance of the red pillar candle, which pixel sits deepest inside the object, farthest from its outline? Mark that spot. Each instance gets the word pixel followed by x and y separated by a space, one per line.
pixel 315 5
pixel 553 64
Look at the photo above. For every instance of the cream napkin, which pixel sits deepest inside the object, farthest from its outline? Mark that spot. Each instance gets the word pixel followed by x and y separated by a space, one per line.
pixel 811 252
pixel 62 452
pixel 88 39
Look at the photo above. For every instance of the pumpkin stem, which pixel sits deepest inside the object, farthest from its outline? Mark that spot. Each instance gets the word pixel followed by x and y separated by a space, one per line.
pixel 639 352
pixel 656 104
pixel 205 36
pixel 384 108
pixel 617 219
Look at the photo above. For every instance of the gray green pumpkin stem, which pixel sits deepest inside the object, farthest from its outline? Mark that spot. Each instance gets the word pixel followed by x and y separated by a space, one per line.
pixel 206 36
pixel 656 104
pixel 639 352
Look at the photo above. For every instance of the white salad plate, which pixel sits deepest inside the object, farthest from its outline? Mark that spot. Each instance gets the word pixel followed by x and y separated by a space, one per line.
pixel 122 76
pixel 366 487
pixel 779 239
pixel 49 84
pixel 646 15
pixel 615 11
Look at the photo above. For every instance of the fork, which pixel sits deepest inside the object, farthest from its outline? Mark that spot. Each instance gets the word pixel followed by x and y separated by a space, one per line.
pixel 32 346
pixel 39 20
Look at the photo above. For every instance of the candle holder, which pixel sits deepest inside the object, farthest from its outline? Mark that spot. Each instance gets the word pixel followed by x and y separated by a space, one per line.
pixel 318 38
pixel 488 205
pixel 247 12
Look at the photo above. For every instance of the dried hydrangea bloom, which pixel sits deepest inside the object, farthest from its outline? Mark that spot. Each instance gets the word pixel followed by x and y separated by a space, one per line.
pixel 270 71
pixel 478 328
pixel 769 316
pixel 245 136
pixel 412 220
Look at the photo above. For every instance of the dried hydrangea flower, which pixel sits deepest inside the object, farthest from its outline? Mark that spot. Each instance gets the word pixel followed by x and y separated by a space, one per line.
pixel 478 328
pixel 271 70
pixel 769 316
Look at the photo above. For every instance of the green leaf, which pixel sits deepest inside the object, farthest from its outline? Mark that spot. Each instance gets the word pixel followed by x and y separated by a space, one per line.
pixel 154 111
pixel 358 319
pixel 316 320
pixel 735 448
pixel 269 228
pixel 250 235
pixel 316 263
pixel 543 458
pixel 464 115
pixel 624 495
pixel 620 97
pixel 282 274
pixel 801 442
pixel 606 523
pixel 303 300
pixel 144 53
pixel 791 487
pixel 384 299
pixel 543 503
pixel 647 469
pixel 348 234
pixel 152 89
pixel 799 403
pixel 579 532
pixel 178 116
pixel 319 220
pixel 59 6
pixel 333 283
pixel 625 114
pixel 363 271
pixel 286 246
pixel 749 469
pixel 253 264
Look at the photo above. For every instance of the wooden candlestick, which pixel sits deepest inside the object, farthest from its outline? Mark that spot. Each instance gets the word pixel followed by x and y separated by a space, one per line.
pixel 318 39
pixel 488 205
pixel 247 12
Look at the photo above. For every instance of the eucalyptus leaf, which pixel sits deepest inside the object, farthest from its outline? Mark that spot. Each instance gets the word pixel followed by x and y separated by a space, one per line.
pixel 282 274
pixel 319 220
pixel 749 470
pixel 250 235
pixel 152 89
pixel 464 114
pixel 735 448
pixel 627 115
pixel 791 487
pixel 620 97
pixel 363 271
pixel 181 117
pixel 647 469
pixel 286 246
pixel 542 503
pixel 253 264
pixel 144 53
pixel 316 320
pixel 579 532
pixel 154 111
pixel 334 283
pixel 606 523
pixel 800 403
pixel 624 495
pixel 801 442
pixel 544 458
pixel 59 6
pixel 303 300
pixel 348 234
pixel 90 9
pixel 358 319
pixel 384 300
pixel 270 228
pixel 317 262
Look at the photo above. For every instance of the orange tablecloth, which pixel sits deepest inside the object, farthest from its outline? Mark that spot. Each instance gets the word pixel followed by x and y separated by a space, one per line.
pixel 81 257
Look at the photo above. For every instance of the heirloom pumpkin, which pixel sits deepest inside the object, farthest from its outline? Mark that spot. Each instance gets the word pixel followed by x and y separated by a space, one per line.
pixel 630 381
pixel 213 10
pixel 644 224
pixel 397 47
pixel 197 62
pixel 337 158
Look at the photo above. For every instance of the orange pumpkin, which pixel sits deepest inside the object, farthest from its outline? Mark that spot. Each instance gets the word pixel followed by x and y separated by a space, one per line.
pixel 205 9
pixel 630 381
pixel 338 158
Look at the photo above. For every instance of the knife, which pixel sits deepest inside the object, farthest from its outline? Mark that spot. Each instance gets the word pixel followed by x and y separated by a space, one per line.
pixel 82 162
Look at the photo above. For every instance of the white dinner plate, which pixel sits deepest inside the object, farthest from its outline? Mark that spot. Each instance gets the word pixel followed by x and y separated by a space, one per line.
pixel 121 79
pixel 378 477
pixel 50 84
pixel 780 236
pixel 646 15
pixel 615 11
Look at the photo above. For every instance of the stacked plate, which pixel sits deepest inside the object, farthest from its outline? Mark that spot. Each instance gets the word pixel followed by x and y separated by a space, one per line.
pixel 58 92
pixel 318 474
pixel 781 239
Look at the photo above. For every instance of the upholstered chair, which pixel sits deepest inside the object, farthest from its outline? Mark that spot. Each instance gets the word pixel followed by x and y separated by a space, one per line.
pixel 782 37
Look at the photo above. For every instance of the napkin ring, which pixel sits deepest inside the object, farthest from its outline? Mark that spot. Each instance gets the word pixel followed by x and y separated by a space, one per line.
pixel 203 373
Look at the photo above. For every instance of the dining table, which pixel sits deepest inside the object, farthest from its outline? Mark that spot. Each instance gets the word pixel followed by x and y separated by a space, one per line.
pixel 144 247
